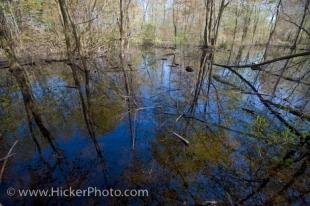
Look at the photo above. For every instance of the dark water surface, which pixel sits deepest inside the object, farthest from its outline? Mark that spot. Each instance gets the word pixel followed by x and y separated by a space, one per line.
pixel 236 151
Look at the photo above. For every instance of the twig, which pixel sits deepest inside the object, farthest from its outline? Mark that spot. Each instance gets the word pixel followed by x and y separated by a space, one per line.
pixel 7 156
pixel 267 105
pixel 181 138
pixel 179 117
pixel 6 160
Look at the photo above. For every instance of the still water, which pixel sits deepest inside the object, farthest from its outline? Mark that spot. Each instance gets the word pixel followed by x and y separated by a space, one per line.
pixel 231 150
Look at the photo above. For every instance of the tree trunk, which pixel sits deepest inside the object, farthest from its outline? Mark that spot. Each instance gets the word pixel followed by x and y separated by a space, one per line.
pixel 7 43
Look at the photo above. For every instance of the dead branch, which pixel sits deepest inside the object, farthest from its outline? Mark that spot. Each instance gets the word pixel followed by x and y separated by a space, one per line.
pixel 257 66
pixel 181 138
pixel 290 110
pixel 4 64
pixel 296 80
pixel 297 25
pixel 6 160
pixel 267 105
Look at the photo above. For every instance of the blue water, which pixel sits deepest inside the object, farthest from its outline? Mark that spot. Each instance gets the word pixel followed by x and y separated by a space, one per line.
pixel 140 150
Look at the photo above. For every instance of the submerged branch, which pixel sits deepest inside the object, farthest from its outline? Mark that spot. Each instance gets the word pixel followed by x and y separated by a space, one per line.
pixel 267 105
pixel 181 138
pixel 6 160
pixel 290 110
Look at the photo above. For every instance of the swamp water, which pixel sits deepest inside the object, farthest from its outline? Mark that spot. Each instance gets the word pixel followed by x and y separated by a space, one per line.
pixel 145 130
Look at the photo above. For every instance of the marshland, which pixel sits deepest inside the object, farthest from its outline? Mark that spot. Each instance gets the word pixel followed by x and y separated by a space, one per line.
pixel 199 102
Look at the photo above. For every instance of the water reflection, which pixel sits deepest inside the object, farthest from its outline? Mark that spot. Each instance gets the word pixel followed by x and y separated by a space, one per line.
pixel 114 127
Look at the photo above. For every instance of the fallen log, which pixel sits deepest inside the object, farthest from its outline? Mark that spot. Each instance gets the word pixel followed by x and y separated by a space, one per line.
pixel 4 64
pixel 258 65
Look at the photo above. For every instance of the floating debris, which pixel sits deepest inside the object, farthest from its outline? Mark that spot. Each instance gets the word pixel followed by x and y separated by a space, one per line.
pixel 181 138
pixel 189 69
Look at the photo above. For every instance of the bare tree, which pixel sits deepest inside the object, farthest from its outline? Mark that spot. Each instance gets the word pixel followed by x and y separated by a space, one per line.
pixel 275 19
pixel 73 47
pixel 293 47
pixel 8 44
